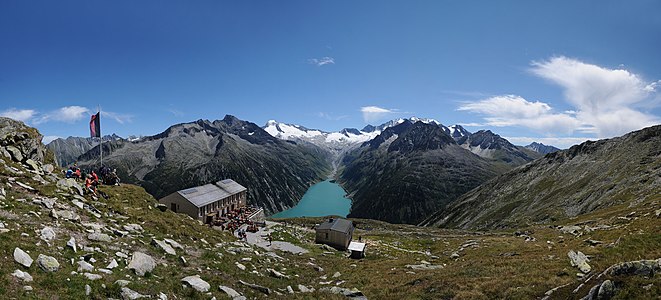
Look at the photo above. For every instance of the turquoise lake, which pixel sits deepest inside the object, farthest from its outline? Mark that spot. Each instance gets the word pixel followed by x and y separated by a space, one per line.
pixel 322 199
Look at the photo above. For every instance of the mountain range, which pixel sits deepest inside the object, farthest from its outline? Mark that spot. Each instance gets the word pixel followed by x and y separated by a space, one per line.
pixel 399 171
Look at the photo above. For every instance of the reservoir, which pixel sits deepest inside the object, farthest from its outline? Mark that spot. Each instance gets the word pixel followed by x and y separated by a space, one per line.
pixel 322 199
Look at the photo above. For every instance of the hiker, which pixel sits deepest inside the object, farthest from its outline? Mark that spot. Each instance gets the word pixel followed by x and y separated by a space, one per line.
pixel 360 238
pixel 76 173
pixel 69 173
pixel 95 178
pixel 270 240
pixel 90 186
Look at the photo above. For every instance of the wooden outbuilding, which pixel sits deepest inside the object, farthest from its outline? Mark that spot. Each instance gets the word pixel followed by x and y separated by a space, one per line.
pixel 336 233
pixel 214 198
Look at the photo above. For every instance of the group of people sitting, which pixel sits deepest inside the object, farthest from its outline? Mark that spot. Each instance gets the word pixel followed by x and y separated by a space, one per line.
pixel 105 175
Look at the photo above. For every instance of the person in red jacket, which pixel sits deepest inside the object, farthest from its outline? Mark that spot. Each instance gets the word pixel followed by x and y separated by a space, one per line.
pixel 95 179
pixel 89 185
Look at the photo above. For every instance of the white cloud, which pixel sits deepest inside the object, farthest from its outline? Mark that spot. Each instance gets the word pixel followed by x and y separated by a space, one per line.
pixel 560 142
pixel 604 102
pixel 330 117
pixel 66 114
pixel 326 60
pixel 375 113
pixel 512 110
pixel 23 115
pixel 604 99
pixel 118 117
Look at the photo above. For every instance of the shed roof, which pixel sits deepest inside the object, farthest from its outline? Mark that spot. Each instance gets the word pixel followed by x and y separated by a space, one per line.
pixel 356 246
pixel 341 225
pixel 209 193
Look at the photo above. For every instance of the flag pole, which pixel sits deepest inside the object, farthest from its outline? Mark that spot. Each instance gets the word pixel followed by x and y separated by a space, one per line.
pixel 100 136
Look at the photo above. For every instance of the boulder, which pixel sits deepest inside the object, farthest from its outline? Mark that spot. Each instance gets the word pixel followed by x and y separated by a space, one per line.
pixel 349 293
pixel 276 274
pixel 22 258
pixel 72 244
pixel 122 283
pixel 48 202
pixel 129 294
pixel 33 165
pixel 231 293
pixel 48 263
pixel 606 290
pixel 639 267
pixel 260 288
pixel 161 207
pixel 579 260
pixel 174 243
pixel 141 263
pixel 85 266
pixel 16 154
pixel 304 289
pixel 91 276
pixel 113 264
pixel 99 237
pixel 48 168
pixel 133 228
pixel 22 275
pixel 70 184
pixel 163 246
pixel 64 214
pixel 47 234
pixel 197 283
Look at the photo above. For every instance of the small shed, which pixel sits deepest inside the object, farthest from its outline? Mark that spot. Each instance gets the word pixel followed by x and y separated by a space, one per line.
pixel 336 233
pixel 357 249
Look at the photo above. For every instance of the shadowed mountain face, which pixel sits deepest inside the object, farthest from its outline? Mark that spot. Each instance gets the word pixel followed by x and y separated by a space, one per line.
pixel 409 170
pixel 563 184
pixel 492 146
pixel 68 150
pixel 277 173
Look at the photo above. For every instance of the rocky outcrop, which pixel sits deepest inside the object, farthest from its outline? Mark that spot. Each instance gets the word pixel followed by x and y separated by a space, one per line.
pixel 21 143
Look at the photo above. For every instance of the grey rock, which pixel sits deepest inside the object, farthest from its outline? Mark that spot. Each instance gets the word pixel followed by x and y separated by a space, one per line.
pixel 113 264
pixel 99 237
pixel 47 234
pixel 48 263
pixel 337 274
pixel 240 266
pixel 260 288
pixel 197 283
pixel 276 274
pixel 70 185
pixel 349 293
pixel 424 267
pixel 133 228
pixel 639 267
pixel 48 168
pixel 27 288
pixel 174 243
pixel 64 214
pixel 122 283
pixel 91 276
pixel 304 289
pixel 454 255
pixel 48 202
pixel 22 275
pixel 88 290
pixel 25 186
pixel 85 266
pixel 72 244
pixel 22 258
pixel 129 294
pixel 162 296
pixel 606 290
pixel 578 259
pixel 33 165
pixel 16 154
pixel 164 246
pixel 289 289
pixel 231 293
pixel 142 263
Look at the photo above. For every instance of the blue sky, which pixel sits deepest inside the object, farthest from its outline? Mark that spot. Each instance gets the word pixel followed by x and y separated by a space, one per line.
pixel 554 71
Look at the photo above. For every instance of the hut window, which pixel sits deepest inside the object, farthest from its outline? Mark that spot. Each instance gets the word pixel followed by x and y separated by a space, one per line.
pixel 326 235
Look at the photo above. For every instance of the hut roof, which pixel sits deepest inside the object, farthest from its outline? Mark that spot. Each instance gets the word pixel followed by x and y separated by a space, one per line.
pixel 209 193
pixel 341 225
